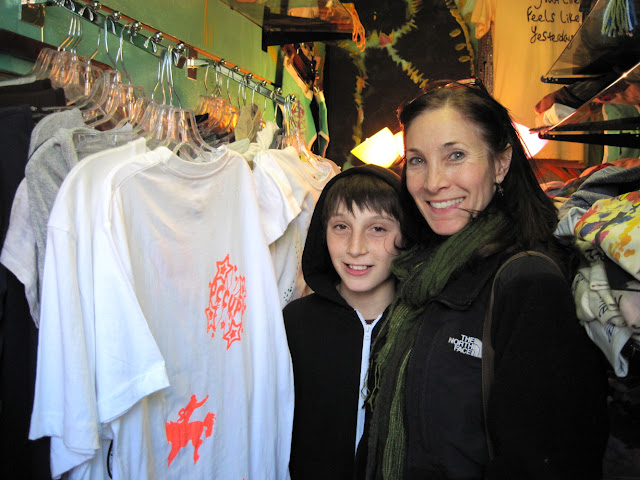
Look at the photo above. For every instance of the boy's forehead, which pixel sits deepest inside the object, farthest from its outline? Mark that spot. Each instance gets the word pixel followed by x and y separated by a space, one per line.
pixel 356 210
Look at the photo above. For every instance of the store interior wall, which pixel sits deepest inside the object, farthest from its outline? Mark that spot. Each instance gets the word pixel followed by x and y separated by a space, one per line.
pixel 231 37
pixel 408 44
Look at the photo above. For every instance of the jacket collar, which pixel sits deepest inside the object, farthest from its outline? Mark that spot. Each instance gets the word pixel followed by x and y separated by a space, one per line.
pixel 464 287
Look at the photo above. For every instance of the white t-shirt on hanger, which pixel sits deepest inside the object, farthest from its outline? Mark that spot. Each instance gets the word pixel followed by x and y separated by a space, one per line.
pixel 305 183
pixel 176 260
pixel 67 335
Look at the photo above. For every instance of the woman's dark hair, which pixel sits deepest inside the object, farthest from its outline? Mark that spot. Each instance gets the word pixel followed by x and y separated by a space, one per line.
pixel 533 217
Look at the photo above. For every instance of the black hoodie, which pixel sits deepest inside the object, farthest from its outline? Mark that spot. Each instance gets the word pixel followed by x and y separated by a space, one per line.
pixel 326 339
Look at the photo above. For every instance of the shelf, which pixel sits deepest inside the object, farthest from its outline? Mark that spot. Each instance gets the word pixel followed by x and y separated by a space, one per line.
pixel 588 123
pixel 610 64
pixel 590 53
pixel 296 21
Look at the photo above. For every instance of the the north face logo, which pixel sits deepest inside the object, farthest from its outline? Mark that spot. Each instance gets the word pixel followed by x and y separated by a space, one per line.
pixel 467 345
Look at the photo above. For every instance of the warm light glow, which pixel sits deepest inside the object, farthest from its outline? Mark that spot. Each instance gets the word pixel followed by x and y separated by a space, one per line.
pixel 400 142
pixel 380 149
pixel 531 140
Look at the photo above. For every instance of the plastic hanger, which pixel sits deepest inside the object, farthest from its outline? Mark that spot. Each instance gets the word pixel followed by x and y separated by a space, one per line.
pixel 183 136
pixel 110 105
pixel 121 101
pixel 58 63
pixel 216 106
pixel 94 106
pixel 77 75
pixel 293 136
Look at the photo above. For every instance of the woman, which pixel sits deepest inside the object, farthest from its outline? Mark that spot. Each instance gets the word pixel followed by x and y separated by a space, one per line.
pixel 476 202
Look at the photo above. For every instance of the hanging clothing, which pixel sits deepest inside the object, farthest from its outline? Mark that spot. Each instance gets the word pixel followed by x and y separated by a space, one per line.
pixel 288 189
pixel 186 335
pixel 20 251
pixel 306 181
pixel 19 458
pixel 16 126
pixel 47 168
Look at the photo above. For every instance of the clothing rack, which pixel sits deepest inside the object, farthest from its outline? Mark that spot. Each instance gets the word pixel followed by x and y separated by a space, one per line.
pixel 183 53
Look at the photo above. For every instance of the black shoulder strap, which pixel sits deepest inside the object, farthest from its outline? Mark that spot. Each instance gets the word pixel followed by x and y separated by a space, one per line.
pixel 487 344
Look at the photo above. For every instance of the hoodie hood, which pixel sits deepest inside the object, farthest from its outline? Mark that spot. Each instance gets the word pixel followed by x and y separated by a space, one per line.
pixel 317 267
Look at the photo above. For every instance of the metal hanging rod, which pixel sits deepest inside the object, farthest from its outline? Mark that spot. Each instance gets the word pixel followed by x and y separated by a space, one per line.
pixel 246 79
pixel 183 53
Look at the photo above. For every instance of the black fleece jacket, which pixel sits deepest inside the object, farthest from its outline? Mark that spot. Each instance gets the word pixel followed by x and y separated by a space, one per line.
pixel 547 411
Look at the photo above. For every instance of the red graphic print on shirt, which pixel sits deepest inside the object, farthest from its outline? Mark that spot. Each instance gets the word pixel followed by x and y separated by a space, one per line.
pixel 180 433
pixel 227 293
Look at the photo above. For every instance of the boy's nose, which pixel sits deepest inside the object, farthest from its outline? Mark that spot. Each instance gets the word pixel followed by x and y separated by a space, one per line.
pixel 357 244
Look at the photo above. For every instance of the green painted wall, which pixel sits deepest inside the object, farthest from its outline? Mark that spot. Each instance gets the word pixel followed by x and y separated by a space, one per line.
pixel 233 37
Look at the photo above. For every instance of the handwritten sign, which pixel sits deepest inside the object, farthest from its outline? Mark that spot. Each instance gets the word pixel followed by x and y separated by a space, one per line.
pixel 543 16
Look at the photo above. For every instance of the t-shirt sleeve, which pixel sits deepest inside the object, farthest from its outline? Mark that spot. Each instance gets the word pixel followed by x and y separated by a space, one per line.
pixel 129 365
pixel 278 206
pixel 482 16
pixel 19 252
pixel 65 401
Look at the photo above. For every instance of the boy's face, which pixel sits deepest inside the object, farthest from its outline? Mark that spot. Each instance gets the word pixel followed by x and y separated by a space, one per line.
pixel 362 245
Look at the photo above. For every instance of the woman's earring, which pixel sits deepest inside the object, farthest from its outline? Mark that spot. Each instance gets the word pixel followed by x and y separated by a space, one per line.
pixel 500 189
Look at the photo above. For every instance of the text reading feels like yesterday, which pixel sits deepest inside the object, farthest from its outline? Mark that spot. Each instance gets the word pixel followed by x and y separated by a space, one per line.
pixel 548 19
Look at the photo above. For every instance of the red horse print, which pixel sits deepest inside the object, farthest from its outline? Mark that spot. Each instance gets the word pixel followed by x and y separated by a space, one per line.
pixel 180 433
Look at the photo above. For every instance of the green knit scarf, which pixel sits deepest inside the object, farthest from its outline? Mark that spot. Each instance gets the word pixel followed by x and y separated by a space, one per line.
pixel 422 274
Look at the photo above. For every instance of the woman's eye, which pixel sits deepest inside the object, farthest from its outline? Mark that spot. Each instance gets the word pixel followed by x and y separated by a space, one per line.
pixel 339 226
pixel 414 161
pixel 457 155
pixel 379 229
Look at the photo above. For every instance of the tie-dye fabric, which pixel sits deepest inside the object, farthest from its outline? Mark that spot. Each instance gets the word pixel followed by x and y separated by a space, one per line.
pixel 613 226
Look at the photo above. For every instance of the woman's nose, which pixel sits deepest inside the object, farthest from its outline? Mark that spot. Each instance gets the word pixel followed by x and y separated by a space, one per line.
pixel 435 179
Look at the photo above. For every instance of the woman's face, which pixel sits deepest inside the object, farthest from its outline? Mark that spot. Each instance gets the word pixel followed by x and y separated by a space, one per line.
pixel 449 172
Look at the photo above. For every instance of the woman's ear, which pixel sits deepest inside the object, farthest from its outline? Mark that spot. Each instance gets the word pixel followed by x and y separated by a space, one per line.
pixel 502 163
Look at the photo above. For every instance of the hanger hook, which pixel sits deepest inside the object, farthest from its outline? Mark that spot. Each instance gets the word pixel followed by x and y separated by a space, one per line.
pixel 248 78
pixel 206 77
pixel 106 43
pixel 97 47
pixel 218 79
pixel 73 46
pixel 159 78
pixel 172 91
pixel 241 91
pixel 69 31
pixel 120 54
pixel 263 84
pixel 234 70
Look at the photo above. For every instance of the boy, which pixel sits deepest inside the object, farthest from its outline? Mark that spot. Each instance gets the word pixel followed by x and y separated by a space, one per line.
pixel 354 235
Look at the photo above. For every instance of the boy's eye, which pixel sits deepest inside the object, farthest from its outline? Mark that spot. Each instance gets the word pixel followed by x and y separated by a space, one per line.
pixel 339 226
pixel 379 229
